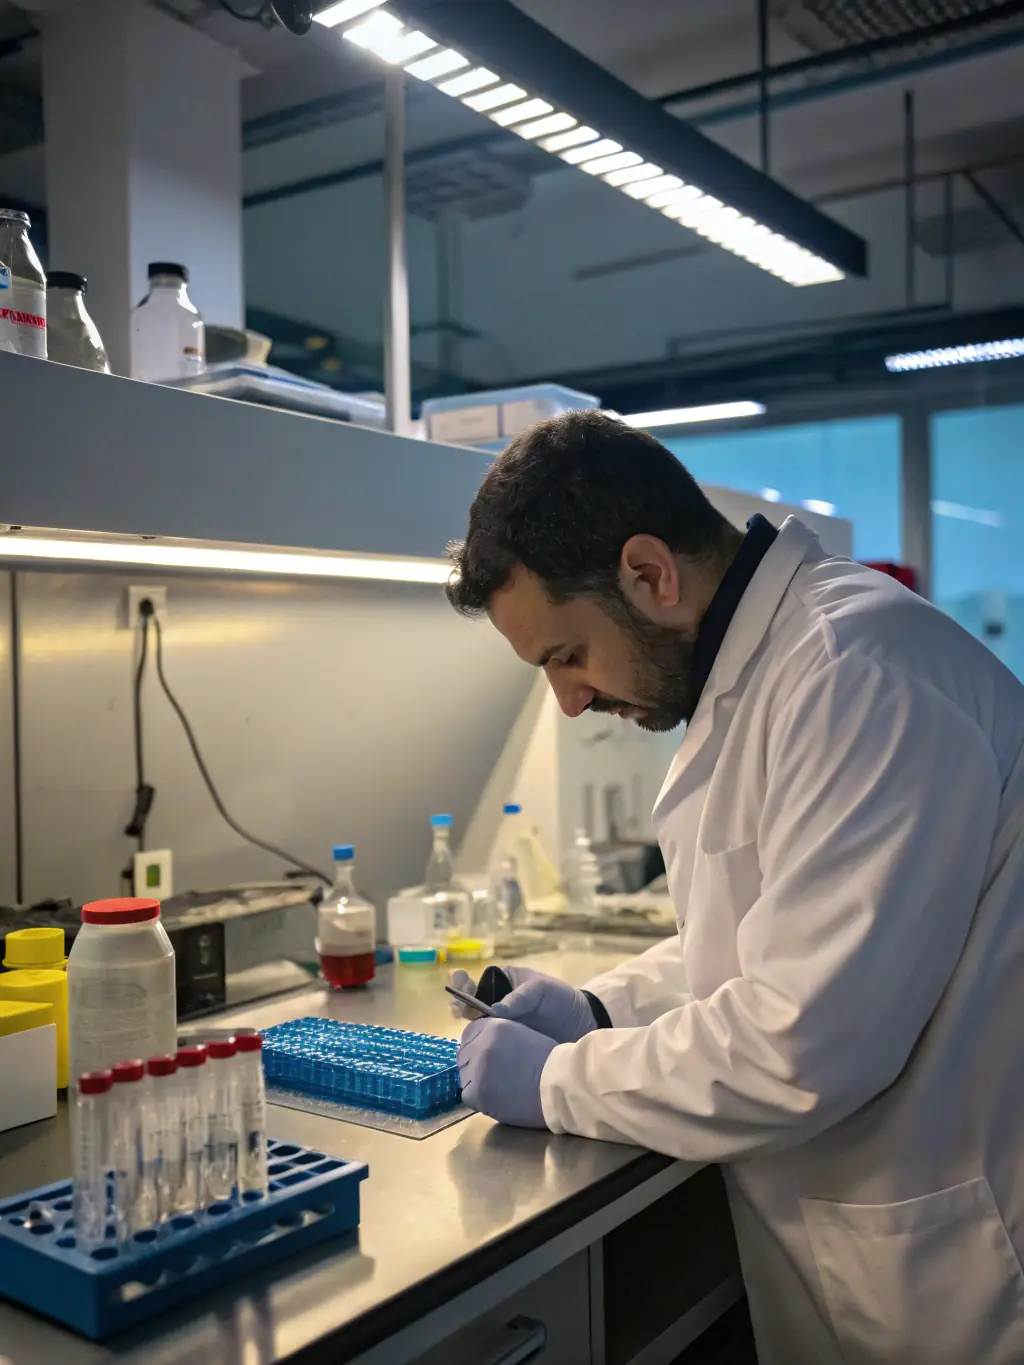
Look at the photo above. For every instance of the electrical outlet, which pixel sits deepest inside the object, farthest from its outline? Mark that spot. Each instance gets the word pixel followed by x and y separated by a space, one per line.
pixel 158 596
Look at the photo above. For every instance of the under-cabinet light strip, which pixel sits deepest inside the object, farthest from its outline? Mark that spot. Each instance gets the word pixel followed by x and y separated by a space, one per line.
pixel 153 554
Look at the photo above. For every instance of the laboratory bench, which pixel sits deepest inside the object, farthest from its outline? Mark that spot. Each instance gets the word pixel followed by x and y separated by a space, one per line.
pixel 476 1244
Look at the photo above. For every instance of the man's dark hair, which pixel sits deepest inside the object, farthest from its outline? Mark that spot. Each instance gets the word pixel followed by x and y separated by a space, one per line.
pixel 564 498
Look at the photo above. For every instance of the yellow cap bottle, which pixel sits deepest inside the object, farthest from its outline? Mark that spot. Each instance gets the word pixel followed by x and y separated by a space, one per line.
pixel 36 950
pixel 26 987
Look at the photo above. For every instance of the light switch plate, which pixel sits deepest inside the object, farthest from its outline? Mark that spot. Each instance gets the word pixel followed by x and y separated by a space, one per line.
pixel 152 874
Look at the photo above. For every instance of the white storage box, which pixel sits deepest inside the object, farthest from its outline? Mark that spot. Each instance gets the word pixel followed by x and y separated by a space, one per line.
pixel 490 420
pixel 410 920
pixel 28 1076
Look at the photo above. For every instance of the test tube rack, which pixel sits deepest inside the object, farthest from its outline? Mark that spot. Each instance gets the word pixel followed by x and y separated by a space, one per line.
pixel 400 1072
pixel 102 1291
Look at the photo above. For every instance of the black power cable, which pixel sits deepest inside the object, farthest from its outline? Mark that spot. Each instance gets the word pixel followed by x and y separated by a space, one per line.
pixel 144 793
pixel 147 613
pixel 246 16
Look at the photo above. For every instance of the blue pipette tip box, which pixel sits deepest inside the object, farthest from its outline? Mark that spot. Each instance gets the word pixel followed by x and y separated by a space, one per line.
pixel 103 1291
pixel 395 1070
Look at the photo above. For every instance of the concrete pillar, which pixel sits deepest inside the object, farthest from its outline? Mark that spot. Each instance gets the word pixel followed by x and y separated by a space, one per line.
pixel 143 159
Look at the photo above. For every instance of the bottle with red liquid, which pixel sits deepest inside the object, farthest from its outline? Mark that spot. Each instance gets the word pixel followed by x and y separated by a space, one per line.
pixel 347 927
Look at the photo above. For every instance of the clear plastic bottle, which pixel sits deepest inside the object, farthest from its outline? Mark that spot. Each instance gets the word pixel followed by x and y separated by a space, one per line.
pixel 90 1161
pixel 168 332
pixel 222 1119
pixel 507 895
pixel 121 998
pixel 22 288
pixel 346 927
pixel 161 1147
pixel 191 1083
pixel 504 884
pixel 440 873
pixel 583 875
pixel 450 903
pixel 127 1103
pixel 252 1147
pixel 72 338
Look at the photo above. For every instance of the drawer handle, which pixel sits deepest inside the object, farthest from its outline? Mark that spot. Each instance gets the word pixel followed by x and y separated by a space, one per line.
pixel 525 1339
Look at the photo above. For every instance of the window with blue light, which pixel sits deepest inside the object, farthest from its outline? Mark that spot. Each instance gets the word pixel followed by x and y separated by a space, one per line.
pixel 978 525
pixel 848 468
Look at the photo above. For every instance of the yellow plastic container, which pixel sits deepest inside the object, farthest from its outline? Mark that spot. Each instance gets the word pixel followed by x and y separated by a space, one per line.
pixel 16 1017
pixel 35 950
pixel 51 988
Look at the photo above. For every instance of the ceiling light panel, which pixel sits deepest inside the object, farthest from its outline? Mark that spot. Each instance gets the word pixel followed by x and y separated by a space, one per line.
pixel 638 171
pixel 1011 348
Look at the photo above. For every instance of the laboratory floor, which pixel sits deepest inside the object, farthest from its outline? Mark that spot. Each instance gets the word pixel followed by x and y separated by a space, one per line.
pixel 730 1341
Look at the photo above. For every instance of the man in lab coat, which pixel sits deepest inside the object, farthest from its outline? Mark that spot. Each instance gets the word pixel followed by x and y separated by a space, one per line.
pixel 840 1020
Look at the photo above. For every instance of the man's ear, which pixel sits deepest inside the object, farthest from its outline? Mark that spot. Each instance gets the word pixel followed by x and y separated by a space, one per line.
pixel 649 575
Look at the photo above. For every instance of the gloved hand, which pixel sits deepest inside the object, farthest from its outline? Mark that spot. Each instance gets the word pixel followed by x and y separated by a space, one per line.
pixel 500 1064
pixel 541 1002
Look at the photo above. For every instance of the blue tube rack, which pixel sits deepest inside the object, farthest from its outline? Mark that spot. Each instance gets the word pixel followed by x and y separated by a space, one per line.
pixel 312 1197
pixel 415 1074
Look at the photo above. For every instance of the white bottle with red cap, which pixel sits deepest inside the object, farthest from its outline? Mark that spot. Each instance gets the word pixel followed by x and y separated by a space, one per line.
pixel 121 1000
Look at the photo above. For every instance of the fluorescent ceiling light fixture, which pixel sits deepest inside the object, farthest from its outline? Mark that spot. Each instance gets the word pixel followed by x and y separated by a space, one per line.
pixel 345 11
pixel 492 99
pixel 571 139
pixel 1012 348
pixel 632 174
pixel 438 64
pixel 471 80
pixel 615 162
pixel 386 38
pixel 178 555
pixel 554 123
pixel 605 146
pixel 771 495
pixel 960 511
pixel 708 412
pixel 518 113
pixel 824 509
pixel 576 111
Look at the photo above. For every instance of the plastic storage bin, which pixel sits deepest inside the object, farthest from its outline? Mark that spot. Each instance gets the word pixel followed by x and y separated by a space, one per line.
pixel 312 1197
pixel 392 1069
pixel 489 420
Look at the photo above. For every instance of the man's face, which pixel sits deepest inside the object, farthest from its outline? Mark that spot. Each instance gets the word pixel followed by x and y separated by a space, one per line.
pixel 607 657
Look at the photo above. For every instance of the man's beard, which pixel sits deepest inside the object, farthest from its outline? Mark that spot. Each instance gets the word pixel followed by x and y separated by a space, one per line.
pixel 664 678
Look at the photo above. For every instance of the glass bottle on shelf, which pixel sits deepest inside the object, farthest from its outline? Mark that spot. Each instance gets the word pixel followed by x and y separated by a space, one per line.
pixel 72 338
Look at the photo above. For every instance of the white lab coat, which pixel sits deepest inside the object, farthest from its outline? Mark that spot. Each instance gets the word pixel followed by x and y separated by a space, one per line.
pixel 841 1018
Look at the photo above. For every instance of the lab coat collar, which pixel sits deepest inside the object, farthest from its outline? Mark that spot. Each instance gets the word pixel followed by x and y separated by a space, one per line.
pixel 757 607
pixel 747 629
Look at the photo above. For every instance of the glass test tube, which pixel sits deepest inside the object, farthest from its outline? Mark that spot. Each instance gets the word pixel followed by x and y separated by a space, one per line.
pixel 222 1097
pixel 252 1147
pixel 92 1113
pixel 126 1104
pixel 160 1153
pixel 191 1085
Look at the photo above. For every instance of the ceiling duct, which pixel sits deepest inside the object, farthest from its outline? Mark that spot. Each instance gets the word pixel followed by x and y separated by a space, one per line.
pixel 927 26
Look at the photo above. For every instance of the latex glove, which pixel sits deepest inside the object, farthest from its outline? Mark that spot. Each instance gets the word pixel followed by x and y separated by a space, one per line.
pixel 500 1064
pixel 541 1002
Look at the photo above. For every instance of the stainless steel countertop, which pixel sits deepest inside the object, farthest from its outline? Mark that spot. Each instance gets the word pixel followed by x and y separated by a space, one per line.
pixel 429 1207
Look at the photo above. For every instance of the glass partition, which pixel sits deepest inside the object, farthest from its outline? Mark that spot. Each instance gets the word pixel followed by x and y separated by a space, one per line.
pixel 978 525
pixel 848 468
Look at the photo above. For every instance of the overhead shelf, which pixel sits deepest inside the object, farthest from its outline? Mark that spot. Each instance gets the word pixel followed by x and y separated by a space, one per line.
pixel 94 453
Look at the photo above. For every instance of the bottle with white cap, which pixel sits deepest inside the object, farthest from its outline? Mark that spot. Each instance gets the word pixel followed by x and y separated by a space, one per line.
pixel 121 994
